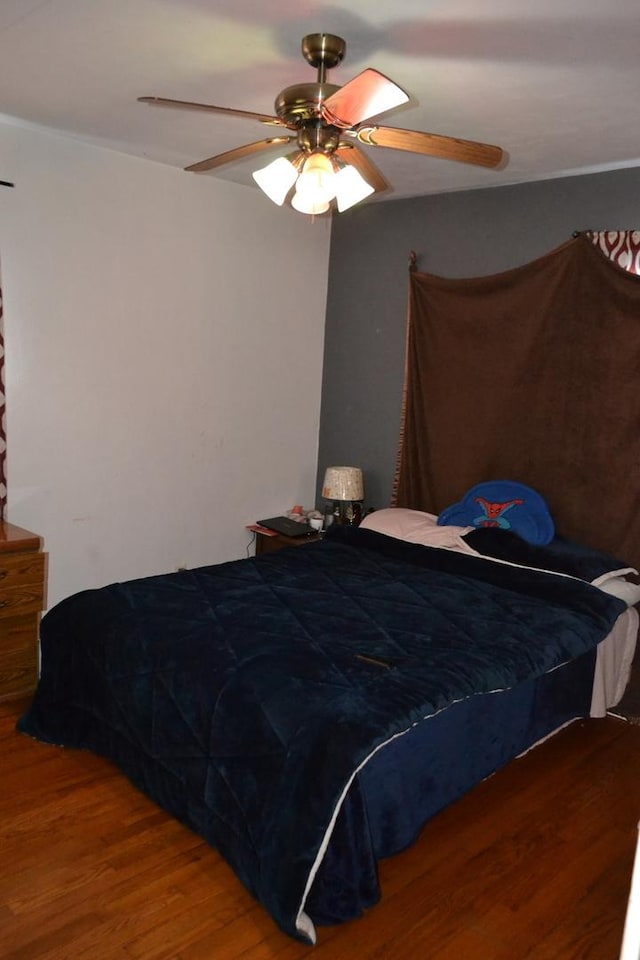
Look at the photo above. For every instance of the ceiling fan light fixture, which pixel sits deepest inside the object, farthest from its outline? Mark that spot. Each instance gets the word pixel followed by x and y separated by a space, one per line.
pixel 276 179
pixel 351 188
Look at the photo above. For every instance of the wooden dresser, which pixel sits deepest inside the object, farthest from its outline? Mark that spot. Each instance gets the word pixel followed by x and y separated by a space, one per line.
pixel 22 599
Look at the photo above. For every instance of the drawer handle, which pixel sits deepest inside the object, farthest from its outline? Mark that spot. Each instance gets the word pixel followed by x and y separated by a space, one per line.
pixel 3 574
pixel 3 603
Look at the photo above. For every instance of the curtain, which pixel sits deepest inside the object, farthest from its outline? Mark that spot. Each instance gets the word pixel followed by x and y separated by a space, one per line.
pixel 529 375
pixel 3 424
pixel 620 246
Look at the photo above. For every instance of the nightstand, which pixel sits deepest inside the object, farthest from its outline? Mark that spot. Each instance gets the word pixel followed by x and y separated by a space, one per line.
pixel 22 580
pixel 265 544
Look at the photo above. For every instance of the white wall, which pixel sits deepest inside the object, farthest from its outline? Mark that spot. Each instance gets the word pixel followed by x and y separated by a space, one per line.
pixel 164 338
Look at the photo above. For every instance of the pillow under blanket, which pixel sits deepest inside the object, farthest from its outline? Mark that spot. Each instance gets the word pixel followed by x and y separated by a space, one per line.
pixel 559 556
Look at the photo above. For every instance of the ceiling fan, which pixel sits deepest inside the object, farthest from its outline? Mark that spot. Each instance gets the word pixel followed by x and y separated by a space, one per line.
pixel 327 122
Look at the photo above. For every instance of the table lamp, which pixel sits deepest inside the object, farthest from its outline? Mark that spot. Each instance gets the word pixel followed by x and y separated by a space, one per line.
pixel 343 486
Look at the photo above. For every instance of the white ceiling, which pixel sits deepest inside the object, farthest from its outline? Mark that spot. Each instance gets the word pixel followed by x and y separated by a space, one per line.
pixel 555 83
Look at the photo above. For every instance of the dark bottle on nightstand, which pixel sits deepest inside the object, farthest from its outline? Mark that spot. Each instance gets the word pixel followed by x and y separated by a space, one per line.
pixel 351 513
pixel 357 513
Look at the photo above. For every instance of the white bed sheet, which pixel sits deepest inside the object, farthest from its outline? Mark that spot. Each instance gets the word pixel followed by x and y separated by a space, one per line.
pixel 613 663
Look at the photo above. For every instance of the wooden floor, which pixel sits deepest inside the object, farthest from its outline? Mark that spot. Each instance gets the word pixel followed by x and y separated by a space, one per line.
pixel 534 863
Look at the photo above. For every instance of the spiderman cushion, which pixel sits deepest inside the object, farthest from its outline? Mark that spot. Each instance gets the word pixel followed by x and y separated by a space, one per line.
pixel 505 505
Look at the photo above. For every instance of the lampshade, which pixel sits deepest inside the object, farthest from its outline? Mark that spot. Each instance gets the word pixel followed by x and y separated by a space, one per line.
pixel 343 483
pixel 351 188
pixel 308 205
pixel 316 179
pixel 276 179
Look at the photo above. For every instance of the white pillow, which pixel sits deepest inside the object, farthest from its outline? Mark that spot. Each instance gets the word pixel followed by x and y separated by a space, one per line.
pixel 415 526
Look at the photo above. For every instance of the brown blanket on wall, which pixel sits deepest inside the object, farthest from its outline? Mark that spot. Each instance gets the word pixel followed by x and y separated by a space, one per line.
pixel 529 375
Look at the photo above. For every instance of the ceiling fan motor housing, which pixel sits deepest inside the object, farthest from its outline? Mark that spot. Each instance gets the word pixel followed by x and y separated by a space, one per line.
pixel 302 101
pixel 316 135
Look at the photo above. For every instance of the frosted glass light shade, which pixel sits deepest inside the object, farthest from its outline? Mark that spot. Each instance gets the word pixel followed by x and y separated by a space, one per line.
pixel 316 181
pixel 343 483
pixel 304 203
pixel 351 188
pixel 276 179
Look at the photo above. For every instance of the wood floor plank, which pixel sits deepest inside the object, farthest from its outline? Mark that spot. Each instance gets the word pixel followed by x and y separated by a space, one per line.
pixel 534 864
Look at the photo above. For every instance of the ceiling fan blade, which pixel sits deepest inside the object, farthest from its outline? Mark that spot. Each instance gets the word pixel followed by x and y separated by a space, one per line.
pixel 367 95
pixel 237 154
pixel 350 153
pixel 210 108
pixel 432 144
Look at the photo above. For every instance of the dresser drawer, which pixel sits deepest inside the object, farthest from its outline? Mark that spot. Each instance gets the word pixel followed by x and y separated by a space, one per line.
pixel 21 583
pixel 18 568
pixel 18 656
pixel 23 571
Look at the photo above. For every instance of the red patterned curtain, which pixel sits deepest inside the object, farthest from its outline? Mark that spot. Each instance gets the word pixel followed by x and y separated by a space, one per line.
pixel 3 426
pixel 621 246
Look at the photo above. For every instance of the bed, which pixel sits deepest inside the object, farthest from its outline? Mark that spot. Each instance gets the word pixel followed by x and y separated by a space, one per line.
pixel 307 711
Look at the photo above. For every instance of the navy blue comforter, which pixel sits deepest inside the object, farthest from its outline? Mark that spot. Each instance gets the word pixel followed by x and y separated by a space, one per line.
pixel 244 696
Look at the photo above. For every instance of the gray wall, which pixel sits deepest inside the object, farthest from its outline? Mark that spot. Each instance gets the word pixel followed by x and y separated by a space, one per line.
pixel 466 234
